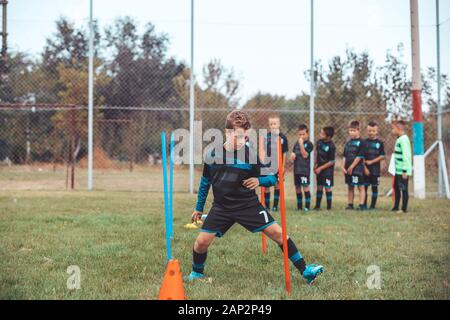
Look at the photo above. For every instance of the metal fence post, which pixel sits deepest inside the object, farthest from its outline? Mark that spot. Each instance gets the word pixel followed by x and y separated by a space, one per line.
pixel 91 99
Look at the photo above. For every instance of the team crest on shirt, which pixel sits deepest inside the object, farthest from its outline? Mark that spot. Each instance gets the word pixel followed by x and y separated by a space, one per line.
pixel 377 145
pixel 326 148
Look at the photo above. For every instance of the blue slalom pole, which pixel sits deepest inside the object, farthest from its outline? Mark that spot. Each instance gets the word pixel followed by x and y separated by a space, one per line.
pixel 166 199
pixel 171 164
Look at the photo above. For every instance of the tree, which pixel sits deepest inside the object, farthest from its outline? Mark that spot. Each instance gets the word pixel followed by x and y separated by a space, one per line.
pixel 220 86
pixel 68 46
pixel 395 86
pixel 215 94
pixel 142 76
pixel 267 102
pixel 16 87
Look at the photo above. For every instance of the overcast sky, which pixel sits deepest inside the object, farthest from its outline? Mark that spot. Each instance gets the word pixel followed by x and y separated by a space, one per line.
pixel 266 42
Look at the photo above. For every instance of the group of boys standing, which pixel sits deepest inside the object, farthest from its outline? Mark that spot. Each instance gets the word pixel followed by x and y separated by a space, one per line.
pixel 361 165
pixel 234 183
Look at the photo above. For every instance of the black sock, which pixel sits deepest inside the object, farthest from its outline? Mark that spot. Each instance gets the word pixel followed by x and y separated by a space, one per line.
pixel 374 196
pixel 397 194
pixel 329 199
pixel 267 199
pixel 300 200
pixel 295 255
pixel 350 205
pixel 198 264
pixel 319 194
pixel 405 198
pixel 366 187
pixel 307 199
pixel 276 197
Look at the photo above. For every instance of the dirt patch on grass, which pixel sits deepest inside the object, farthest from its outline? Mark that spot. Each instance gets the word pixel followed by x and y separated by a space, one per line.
pixel 101 160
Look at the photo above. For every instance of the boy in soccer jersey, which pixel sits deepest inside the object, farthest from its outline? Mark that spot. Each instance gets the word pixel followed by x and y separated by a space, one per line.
pixel 374 156
pixel 403 166
pixel 302 166
pixel 234 180
pixel 324 166
pixel 353 165
pixel 274 126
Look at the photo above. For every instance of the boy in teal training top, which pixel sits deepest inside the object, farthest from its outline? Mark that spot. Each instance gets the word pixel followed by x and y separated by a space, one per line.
pixel 274 126
pixel 372 165
pixel 301 156
pixel 234 180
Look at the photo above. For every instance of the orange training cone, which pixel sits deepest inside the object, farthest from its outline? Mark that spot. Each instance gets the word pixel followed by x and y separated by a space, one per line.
pixel 172 286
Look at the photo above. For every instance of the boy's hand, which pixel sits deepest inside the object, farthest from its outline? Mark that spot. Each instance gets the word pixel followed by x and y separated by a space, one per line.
pixel 300 141
pixel 317 170
pixel 251 183
pixel 368 162
pixel 344 171
pixel 350 170
pixel 404 176
pixel 366 171
pixel 196 216
pixel 293 156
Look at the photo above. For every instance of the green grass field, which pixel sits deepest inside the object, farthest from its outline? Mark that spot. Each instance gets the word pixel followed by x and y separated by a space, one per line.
pixel 117 240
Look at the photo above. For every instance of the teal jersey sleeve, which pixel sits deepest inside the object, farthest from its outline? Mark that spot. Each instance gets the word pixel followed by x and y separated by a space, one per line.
pixel 265 180
pixel 205 183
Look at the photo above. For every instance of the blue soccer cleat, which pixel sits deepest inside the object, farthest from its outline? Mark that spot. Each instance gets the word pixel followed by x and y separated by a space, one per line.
pixel 311 272
pixel 194 276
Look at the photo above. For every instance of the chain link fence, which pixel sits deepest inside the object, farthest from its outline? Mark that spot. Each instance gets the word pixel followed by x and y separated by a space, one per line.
pixel 46 147
pixel 141 89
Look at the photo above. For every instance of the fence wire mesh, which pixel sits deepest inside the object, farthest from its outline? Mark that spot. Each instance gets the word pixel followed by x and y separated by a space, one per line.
pixel 46 148
pixel 141 88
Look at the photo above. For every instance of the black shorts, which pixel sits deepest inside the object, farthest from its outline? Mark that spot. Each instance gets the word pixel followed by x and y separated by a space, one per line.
pixel 372 180
pixel 254 219
pixel 301 180
pixel 325 180
pixel 355 180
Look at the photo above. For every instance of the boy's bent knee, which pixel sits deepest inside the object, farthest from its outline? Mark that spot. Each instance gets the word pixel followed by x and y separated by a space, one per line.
pixel 203 242
pixel 275 233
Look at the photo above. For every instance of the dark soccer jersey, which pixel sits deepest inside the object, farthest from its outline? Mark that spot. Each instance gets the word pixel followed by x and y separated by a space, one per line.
pixel 302 165
pixel 355 148
pixel 326 152
pixel 226 178
pixel 268 144
pixel 374 149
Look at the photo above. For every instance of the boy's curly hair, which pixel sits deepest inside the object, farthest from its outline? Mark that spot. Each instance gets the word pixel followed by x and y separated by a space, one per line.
pixel 237 119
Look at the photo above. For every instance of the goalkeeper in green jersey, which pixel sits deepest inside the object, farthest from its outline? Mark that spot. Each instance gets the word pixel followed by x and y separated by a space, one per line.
pixel 403 165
